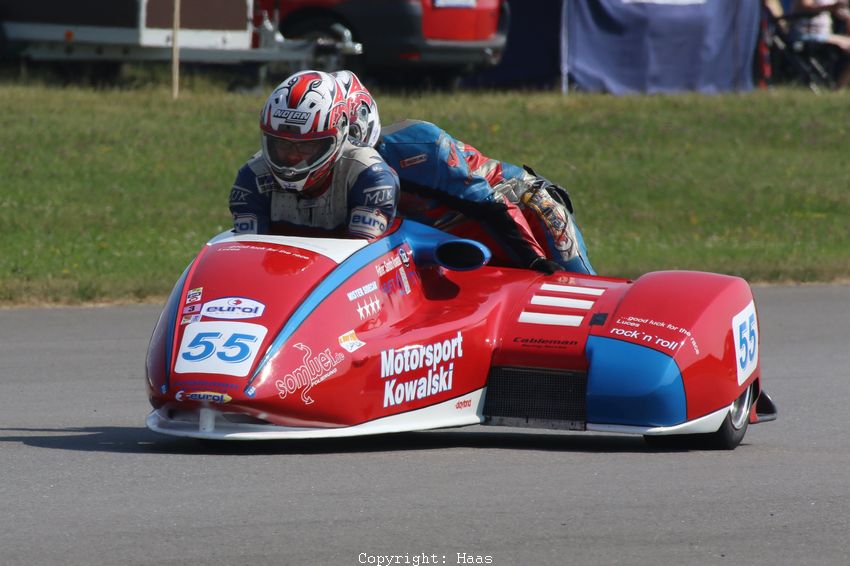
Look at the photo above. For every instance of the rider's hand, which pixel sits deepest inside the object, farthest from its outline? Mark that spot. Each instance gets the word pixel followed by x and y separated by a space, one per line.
pixel 546 266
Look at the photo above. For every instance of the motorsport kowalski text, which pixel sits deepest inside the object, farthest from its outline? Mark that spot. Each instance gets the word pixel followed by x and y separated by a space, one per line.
pixel 438 358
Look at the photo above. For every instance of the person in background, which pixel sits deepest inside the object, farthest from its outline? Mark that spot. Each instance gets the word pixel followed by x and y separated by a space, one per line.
pixel 526 220
pixel 816 21
pixel 308 174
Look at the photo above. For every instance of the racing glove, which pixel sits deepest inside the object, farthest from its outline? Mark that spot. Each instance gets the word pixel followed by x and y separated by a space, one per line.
pixel 546 266
pixel 555 190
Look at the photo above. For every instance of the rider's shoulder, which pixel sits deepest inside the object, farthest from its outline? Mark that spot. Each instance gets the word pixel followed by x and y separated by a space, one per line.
pixel 255 166
pixel 407 131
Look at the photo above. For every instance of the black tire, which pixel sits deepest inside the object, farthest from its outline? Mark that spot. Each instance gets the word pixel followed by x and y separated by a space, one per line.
pixel 727 437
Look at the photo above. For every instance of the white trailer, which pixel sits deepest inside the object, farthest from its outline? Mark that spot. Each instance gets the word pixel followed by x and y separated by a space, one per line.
pixel 211 31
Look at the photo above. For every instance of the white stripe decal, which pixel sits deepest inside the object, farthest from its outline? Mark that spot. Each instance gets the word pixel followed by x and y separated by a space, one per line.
pixel 561 302
pixel 572 289
pixel 550 319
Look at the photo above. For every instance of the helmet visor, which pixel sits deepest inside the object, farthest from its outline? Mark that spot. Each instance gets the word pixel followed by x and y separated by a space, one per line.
pixel 297 154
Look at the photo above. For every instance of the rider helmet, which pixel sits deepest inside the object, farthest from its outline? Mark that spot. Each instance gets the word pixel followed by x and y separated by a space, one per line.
pixel 365 123
pixel 304 124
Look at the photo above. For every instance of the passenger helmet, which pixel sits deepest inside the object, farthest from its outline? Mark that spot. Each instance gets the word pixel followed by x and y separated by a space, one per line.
pixel 365 123
pixel 304 124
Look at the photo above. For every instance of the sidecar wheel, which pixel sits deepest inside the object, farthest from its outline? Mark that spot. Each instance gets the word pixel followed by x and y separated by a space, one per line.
pixel 728 436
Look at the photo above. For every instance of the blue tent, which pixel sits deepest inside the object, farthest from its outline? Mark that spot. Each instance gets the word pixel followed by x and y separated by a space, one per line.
pixel 648 46
pixel 629 46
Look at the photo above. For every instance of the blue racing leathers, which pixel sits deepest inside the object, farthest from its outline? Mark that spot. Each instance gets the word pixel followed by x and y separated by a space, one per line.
pixel 526 220
pixel 361 199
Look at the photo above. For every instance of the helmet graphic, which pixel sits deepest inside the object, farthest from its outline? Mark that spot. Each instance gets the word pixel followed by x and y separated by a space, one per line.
pixel 365 123
pixel 304 124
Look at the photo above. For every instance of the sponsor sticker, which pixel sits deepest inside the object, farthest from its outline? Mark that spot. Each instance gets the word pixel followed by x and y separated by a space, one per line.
pixel 190 318
pixel 401 281
pixel 418 372
pixel 367 222
pixel 388 265
pixel 313 370
pixel 191 309
pixel 233 308
pixel 404 282
pixel 239 247
pixel 297 117
pixel 378 196
pixel 361 292
pixel 239 196
pixel 194 295
pixel 350 342
pixel 411 161
pixel 544 342
pixel 203 397
pixel 245 223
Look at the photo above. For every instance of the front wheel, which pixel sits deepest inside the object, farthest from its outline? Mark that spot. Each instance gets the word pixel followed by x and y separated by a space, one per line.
pixel 728 436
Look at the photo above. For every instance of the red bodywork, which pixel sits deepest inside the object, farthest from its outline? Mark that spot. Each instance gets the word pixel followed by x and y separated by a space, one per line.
pixel 394 335
pixel 473 23
pixel 458 35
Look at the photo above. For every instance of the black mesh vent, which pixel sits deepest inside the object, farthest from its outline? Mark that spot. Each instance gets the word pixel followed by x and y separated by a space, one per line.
pixel 533 394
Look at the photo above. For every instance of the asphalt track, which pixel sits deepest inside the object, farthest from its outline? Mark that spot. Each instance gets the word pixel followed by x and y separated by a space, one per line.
pixel 83 482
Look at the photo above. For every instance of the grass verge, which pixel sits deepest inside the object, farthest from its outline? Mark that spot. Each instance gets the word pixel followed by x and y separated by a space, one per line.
pixel 106 195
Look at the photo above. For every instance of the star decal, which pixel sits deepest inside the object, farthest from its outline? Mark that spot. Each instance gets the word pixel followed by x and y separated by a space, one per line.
pixel 369 308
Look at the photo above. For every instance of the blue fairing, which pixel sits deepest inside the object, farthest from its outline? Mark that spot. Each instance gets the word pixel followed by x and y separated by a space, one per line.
pixel 632 385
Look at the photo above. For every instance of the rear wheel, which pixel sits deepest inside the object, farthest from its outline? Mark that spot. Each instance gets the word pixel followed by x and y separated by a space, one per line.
pixel 728 436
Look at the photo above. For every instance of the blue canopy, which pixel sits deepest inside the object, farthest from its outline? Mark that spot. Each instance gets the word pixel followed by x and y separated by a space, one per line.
pixel 653 46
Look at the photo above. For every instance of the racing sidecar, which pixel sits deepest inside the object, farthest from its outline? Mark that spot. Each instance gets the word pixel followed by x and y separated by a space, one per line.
pixel 272 337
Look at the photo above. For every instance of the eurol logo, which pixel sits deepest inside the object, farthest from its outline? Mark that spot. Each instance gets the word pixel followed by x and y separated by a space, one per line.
pixel 203 397
pixel 233 308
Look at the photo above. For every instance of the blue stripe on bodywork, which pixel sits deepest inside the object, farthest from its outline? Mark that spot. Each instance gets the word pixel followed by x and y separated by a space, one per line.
pixel 629 384
pixel 418 236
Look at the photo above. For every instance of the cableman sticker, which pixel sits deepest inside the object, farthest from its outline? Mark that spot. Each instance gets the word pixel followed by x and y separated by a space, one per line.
pixel 437 358
pixel 544 342
pixel 313 370
pixel 233 308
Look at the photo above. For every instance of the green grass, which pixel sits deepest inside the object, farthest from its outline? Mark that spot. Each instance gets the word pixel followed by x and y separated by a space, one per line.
pixel 107 194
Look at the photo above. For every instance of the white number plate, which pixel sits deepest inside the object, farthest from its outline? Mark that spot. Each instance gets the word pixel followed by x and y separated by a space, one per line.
pixel 227 348
pixel 745 329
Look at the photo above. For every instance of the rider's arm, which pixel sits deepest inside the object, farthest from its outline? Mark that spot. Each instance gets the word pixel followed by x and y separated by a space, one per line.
pixel 250 204
pixel 372 200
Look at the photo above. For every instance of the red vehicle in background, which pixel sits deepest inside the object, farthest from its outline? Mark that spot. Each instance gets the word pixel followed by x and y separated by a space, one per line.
pixel 444 39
